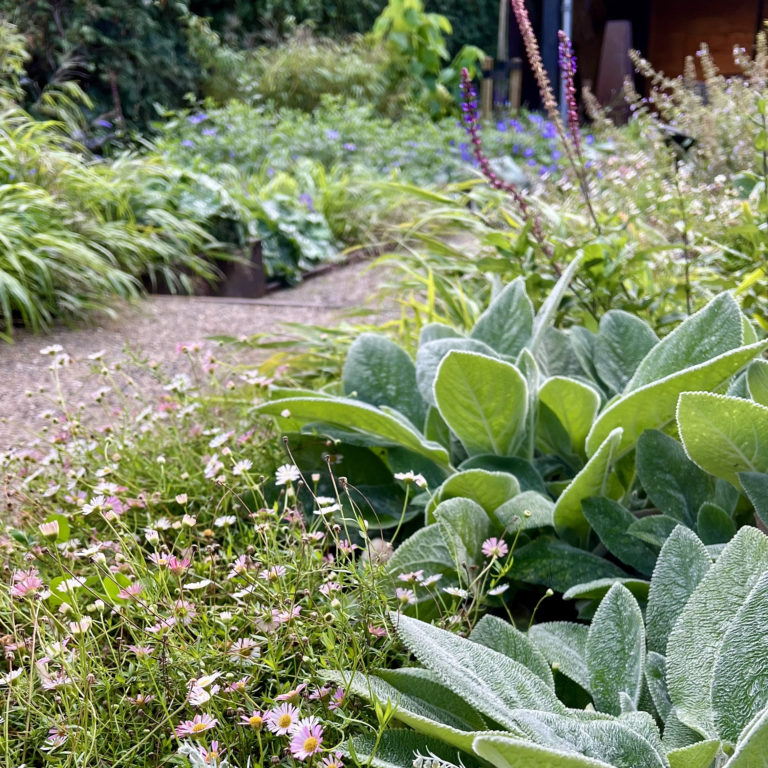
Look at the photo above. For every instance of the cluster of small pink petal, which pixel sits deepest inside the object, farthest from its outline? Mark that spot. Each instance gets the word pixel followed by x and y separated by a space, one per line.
pixel 26 583
pixel 307 739
pixel 196 725
pixel 494 547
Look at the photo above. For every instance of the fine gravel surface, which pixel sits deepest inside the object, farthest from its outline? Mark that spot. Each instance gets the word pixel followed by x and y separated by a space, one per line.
pixel 153 328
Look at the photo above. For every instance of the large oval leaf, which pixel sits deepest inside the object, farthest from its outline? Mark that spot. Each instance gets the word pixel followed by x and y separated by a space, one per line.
pixel 575 405
pixel 752 748
pixel 507 324
pixel 564 645
pixel 464 527
pixel 483 400
pixel 724 435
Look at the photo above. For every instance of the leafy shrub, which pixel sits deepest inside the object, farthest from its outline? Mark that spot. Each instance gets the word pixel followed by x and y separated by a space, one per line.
pixel 684 687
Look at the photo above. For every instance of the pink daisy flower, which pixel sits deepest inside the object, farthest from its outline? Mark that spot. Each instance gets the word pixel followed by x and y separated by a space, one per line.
pixel 197 724
pixel 211 756
pixel 494 547
pixel 291 695
pixel 29 584
pixel 282 719
pixel 255 720
pixel 333 761
pixel 307 739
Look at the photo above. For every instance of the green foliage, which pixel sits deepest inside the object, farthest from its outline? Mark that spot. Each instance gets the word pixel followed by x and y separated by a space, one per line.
pixel 720 698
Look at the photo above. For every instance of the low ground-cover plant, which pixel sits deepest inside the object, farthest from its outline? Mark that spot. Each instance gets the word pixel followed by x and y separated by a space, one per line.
pixel 682 686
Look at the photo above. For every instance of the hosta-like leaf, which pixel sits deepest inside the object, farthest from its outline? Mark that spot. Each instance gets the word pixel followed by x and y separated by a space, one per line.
pixel 752 748
pixel 379 372
pixel 724 435
pixel 593 480
pixel 597 589
pixel 653 530
pixel 507 752
pixel 611 521
pixel 505 638
pixel 523 470
pixel 740 681
pixel 564 646
pixel 431 354
pixel 672 481
pixel 398 747
pixel 464 526
pixel 483 400
pixel 622 342
pixel 615 651
pixel 682 564
pixel 489 489
pixel 492 683
pixel 708 333
pixel 574 404
pixel 698 755
pixel 507 324
pixel 653 405
pixel 553 563
pixel 757 381
pixel 525 511
pixel 694 644
pixel 357 419
pixel 714 525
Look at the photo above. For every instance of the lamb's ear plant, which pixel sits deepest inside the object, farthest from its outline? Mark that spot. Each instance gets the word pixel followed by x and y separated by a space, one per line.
pixel 684 688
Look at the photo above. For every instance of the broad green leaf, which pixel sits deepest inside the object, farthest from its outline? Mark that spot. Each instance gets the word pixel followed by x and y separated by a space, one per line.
pixel 436 331
pixel 672 481
pixel 435 428
pixel 740 680
pixel 714 525
pixel 507 324
pixel 707 334
pixel 553 563
pixel 464 526
pixel 545 317
pixel 422 684
pixel 724 435
pixel 656 680
pixel 752 748
pixel 698 755
pixel 653 406
pixel 397 748
pixel 504 637
pixel 431 354
pixel 681 565
pixel 653 530
pixel 755 485
pixel 507 752
pixel 622 342
pixel 610 522
pixel 424 716
pixel 527 365
pixel 523 470
pixel 379 372
pixel 615 651
pixel 483 400
pixel 593 480
pixel 525 511
pixel 492 683
pixel 357 419
pixel 564 646
pixel 489 489
pixel 555 355
pixel 575 405
pixel 695 640
pixel 757 381
pixel 597 589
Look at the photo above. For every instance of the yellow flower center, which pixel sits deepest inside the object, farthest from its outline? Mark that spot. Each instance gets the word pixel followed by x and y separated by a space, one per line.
pixel 284 721
pixel 255 721
pixel 310 745
pixel 198 727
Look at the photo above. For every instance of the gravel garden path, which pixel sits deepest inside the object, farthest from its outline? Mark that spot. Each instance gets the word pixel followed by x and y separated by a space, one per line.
pixel 154 327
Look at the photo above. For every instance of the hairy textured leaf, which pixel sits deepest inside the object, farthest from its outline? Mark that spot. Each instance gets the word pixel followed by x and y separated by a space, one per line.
pixel 492 683
pixel 525 511
pixel 464 526
pixel 564 644
pixel 757 381
pixel 708 333
pixel 593 480
pixel 598 589
pixel 656 680
pixel 695 640
pixel 545 317
pixel 483 400
pixel 507 324
pixel 682 564
pixel 740 681
pixel 610 522
pixel 653 530
pixel 714 525
pixel 615 651
pixel 397 748
pixel 506 752
pixel 505 638
pixel 574 404
pixel 379 372
pixel 672 481
pixel 755 485
pixel 752 748
pixel 553 563
pixel 523 470
pixel 698 755
pixel 357 419
pixel 489 489
pixel 622 342
pixel 724 435
pixel 653 405
pixel 431 354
